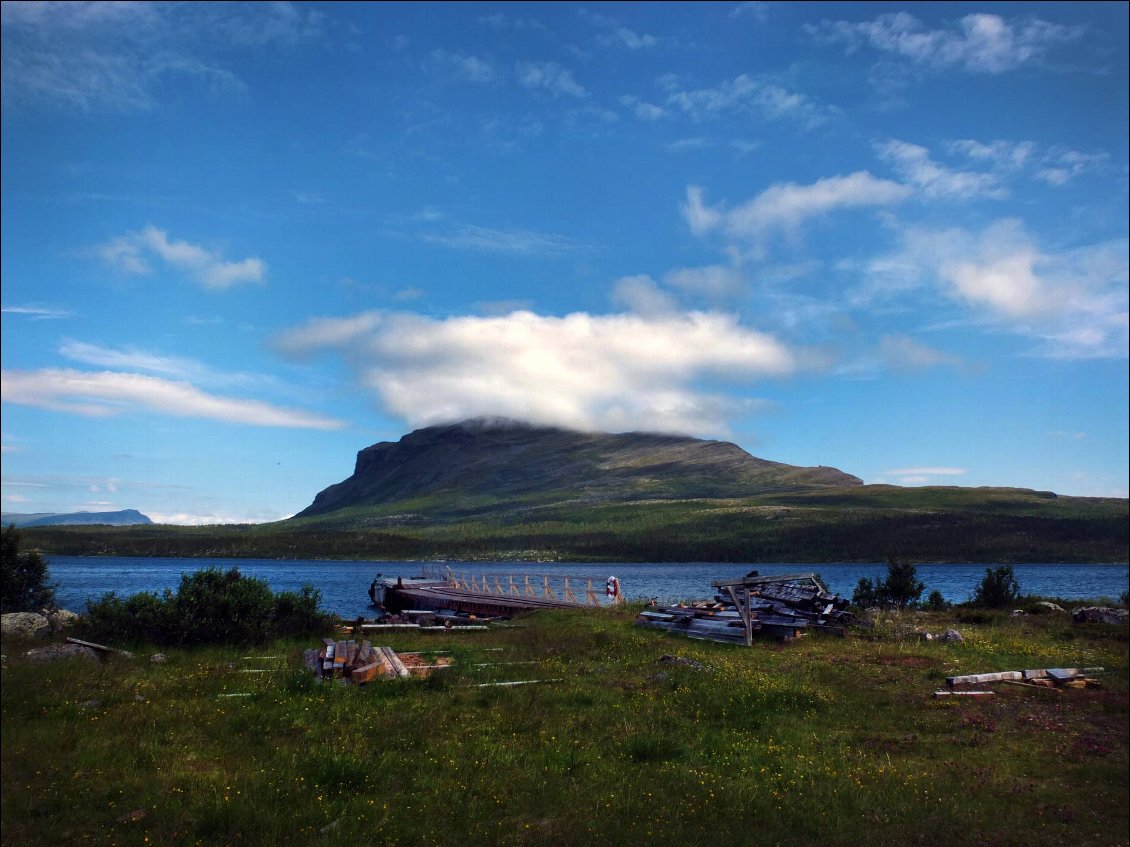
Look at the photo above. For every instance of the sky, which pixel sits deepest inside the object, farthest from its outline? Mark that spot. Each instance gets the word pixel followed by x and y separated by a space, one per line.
pixel 243 241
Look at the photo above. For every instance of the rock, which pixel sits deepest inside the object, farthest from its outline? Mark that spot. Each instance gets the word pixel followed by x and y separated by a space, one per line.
pixel 61 619
pixel 24 625
pixel 158 658
pixel 681 660
pixel 55 652
pixel 925 636
pixel 1100 614
pixel 1047 606
pixel 951 636
pixel 1017 613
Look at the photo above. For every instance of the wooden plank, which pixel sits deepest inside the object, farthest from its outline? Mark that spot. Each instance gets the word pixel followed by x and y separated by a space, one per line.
pixel 395 663
pixel 368 672
pixel 979 678
pixel 99 647
pixel 963 693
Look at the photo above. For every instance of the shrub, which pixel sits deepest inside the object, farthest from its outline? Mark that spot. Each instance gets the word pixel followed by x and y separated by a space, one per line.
pixel 998 590
pixel 866 594
pixel 936 602
pixel 297 613
pixel 23 576
pixel 210 606
pixel 901 588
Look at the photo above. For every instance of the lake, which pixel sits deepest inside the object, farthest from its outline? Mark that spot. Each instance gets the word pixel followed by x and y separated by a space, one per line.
pixel 343 584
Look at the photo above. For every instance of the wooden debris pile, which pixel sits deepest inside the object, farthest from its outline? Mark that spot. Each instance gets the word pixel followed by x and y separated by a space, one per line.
pixel 1054 679
pixel 359 663
pixel 782 607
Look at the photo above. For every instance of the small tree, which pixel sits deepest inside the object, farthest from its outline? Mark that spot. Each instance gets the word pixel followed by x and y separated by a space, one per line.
pixel 23 576
pixel 998 590
pixel 936 602
pixel 902 586
pixel 865 595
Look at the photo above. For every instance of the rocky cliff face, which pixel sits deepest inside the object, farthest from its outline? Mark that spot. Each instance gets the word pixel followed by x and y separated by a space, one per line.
pixel 507 460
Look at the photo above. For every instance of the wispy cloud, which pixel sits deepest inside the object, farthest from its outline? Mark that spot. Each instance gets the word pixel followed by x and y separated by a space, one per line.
pixel 744 93
pixel 134 253
pixel 519 242
pixel 110 393
pixel 934 181
pixel 979 43
pixel 1072 303
pixel 785 207
pixel 464 66
pixel 551 77
pixel 38 313
pixel 117 56
pixel 615 371
pixel 175 367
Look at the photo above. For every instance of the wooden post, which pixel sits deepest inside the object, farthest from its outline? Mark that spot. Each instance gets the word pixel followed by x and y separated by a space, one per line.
pixel 569 595
pixel 513 585
pixel 529 588
pixel 590 595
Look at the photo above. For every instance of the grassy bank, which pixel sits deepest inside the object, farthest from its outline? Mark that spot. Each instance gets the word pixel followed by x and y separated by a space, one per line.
pixel 852 525
pixel 833 741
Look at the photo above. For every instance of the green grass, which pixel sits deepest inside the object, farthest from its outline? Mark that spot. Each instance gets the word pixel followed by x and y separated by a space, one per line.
pixel 823 740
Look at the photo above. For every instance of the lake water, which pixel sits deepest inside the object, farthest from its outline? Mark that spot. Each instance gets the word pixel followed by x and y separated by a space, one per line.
pixel 343 584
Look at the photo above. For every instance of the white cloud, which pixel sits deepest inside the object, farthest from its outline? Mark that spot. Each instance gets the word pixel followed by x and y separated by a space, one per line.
pixel 903 353
pixel 118 56
pixel 38 313
pixel 631 39
pixel 135 251
pixel 1073 302
pixel 716 282
pixel 744 93
pixel 464 66
pixel 109 393
pixel 930 471
pixel 520 242
pixel 551 77
pixel 934 181
pixel 642 110
pixel 614 372
pixel 786 206
pixel 640 294
pixel 981 43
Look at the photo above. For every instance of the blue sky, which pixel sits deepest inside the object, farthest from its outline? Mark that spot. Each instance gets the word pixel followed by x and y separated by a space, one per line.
pixel 243 241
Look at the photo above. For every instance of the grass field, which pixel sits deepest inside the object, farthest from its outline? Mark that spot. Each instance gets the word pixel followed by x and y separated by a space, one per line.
pixel 819 741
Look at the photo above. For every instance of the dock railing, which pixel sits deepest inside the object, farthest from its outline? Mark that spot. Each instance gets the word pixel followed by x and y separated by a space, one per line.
pixel 562 588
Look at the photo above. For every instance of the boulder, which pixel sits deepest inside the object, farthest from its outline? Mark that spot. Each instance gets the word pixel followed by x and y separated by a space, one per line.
pixel 1100 614
pixel 1047 606
pixel 24 625
pixel 55 652
pixel 61 619
pixel 951 635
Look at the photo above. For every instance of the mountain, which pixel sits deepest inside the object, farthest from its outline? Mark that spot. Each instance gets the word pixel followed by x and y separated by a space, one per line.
pixel 125 517
pixel 491 461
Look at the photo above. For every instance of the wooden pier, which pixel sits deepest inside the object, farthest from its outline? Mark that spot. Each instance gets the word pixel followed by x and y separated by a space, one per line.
pixel 494 595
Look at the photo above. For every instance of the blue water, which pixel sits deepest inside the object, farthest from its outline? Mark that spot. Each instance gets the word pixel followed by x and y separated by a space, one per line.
pixel 343 584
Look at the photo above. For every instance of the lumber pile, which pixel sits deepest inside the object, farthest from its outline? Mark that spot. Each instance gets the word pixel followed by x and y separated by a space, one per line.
pixel 1055 679
pixel 782 607
pixel 359 663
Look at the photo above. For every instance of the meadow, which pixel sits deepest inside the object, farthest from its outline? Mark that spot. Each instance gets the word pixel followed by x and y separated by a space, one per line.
pixel 822 740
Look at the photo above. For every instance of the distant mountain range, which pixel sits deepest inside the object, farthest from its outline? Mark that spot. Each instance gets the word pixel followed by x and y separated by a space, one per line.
pixel 494 489
pixel 495 461
pixel 125 517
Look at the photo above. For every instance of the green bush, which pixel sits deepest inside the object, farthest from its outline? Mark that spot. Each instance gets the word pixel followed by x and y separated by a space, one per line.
pixel 901 588
pixel 935 602
pixel 23 576
pixel 297 613
pixel 998 590
pixel 210 606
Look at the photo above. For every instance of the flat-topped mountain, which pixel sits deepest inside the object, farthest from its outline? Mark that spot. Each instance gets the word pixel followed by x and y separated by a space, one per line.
pixel 494 460
pixel 125 517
